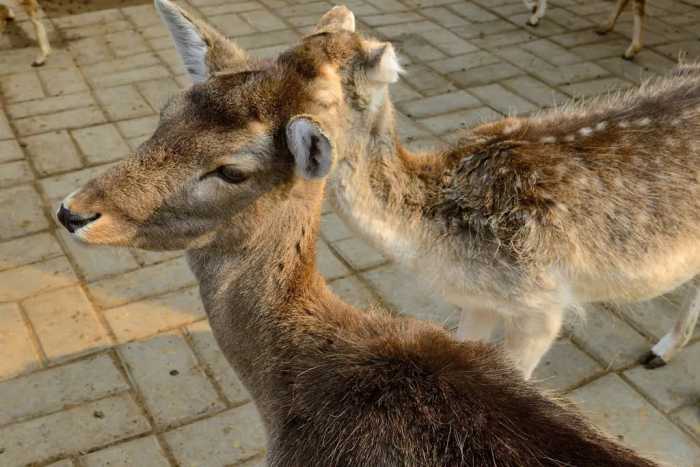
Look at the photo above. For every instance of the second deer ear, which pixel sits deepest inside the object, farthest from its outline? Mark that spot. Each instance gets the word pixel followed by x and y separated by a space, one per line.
pixel 383 64
pixel 339 18
pixel 311 148
pixel 202 48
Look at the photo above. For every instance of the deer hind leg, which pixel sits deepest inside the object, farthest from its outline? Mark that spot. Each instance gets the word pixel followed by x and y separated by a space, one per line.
pixel 32 9
pixel 477 324
pixel 636 45
pixel 678 336
pixel 610 25
pixel 6 14
pixel 529 336
pixel 538 11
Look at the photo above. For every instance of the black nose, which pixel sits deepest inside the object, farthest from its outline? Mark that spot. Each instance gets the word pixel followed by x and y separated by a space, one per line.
pixel 72 221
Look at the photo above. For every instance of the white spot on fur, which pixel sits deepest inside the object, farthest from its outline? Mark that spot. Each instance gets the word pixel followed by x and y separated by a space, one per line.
pixel 569 138
pixel 623 124
pixel 676 122
pixel 601 126
pixel 512 127
pixel 643 121
pixel 548 140
pixel 586 131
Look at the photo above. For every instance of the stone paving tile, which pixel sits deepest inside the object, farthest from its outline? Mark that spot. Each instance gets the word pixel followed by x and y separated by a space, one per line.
pixel 63 81
pixel 353 291
pixel 21 87
pixel 328 264
pixel 101 143
pixel 215 363
pixel 166 372
pixel 139 452
pixel 58 187
pixel 401 291
pixel 230 437
pixel 33 279
pixel 29 249
pixel 147 317
pixel 459 120
pixel 63 463
pixel 123 102
pixel 689 417
pixel 358 253
pixel 53 152
pixel 565 366
pixel 10 150
pixel 72 431
pixel 440 104
pixel 53 389
pixel 502 100
pixel 66 119
pixel 19 355
pixel 15 173
pixel 596 87
pixel 614 406
pixel 673 385
pixel 50 105
pixel 65 323
pixel 21 212
pixel 139 284
pixel 96 262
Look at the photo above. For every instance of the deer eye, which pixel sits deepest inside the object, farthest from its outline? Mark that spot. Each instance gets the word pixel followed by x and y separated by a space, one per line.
pixel 230 174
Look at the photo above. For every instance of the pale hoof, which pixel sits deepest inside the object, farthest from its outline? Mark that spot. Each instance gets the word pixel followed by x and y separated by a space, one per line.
pixel 39 62
pixel 534 22
pixel 652 361
pixel 602 31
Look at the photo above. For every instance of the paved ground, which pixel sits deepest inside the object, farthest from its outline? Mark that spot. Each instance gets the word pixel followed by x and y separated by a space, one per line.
pixel 105 355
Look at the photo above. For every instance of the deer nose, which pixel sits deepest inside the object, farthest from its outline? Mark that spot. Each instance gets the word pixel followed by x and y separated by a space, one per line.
pixel 72 221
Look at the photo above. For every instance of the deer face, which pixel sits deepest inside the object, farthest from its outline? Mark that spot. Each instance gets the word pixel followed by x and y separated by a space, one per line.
pixel 234 145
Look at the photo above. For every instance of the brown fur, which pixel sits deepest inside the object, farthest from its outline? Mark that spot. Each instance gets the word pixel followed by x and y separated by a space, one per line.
pixel 336 386
pixel 31 7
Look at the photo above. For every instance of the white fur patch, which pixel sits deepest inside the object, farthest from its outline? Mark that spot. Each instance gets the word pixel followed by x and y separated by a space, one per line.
pixel 569 138
pixel 643 122
pixel 387 69
pixel 601 126
pixel 623 124
pixel 189 44
pixel 548 140
pixel 586 131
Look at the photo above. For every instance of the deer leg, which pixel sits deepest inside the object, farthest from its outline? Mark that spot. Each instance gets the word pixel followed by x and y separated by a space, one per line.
pixel 32 9
pixel 477 324
pixel 610 25
pixel 636 44
pixel 537 13
pixel 529 336
pixel 678 336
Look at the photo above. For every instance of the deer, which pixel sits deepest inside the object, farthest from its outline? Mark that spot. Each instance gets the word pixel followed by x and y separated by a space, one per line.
pixel 31 7
pixel 538 8
pixel 527 217
pixel 235 174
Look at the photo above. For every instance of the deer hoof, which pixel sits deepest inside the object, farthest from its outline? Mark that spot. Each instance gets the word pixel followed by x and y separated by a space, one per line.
pixel 602 31
pixel 651 361
pixel 533 22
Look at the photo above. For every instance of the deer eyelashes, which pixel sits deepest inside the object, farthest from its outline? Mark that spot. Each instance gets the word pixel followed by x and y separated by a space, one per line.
pixel 231 174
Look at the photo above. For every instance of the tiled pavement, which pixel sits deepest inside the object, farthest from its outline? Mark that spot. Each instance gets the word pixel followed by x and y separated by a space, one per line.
pixel 105 355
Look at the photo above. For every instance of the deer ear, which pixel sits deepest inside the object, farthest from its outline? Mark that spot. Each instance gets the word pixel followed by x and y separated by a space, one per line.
pixel 383 64
pixel 339 18
pixel 202 48
pixel 311 148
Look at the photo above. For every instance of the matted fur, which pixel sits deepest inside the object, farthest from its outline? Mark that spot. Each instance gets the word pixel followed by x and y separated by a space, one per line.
pixel 336 386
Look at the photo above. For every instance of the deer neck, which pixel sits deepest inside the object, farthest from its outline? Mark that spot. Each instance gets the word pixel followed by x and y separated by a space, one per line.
pixel 380 188
pixel 253 288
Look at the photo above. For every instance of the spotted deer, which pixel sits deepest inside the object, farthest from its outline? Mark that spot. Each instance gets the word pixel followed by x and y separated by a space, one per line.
pixel 538 8
pixel 31 7
pixel 524 218
pixel 235 174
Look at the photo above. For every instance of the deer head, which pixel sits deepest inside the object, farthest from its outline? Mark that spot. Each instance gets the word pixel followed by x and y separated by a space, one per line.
pixel 243 137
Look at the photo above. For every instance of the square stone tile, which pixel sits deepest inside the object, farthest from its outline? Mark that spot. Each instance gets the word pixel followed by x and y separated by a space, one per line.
pixel 19 355
pixel 231 25
pixel 502 100
pixel 459 120
pixel 144 126
pixel 61 81
pixel 101 143
pixel 143 451
pixel 674 385
pixel 15 173
pixel 97 262
pixel 66 119
pixel 608 338
pixel 21 87
pixel 125 43
pixel 158 92
pixel 36 278
pixel 72 431
pixel 53 152
pixel 689 417
pixel 401 291
pixel 123 102
pixel 53 389
pixel 440 104
pixel 225 439
pixel 66 324
pixel 328 264
pixel 29 249
pixel 564 366
pixel 147 317
pixel 216 365
pixel 21 211
pixel 142 283
pixel 50 105
pixel 616 408
pixel 358 253
pixel 10 151
pixel 59 186
pixel 173 386
pixel 263 20
pixel 333 228
pixel 353 291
